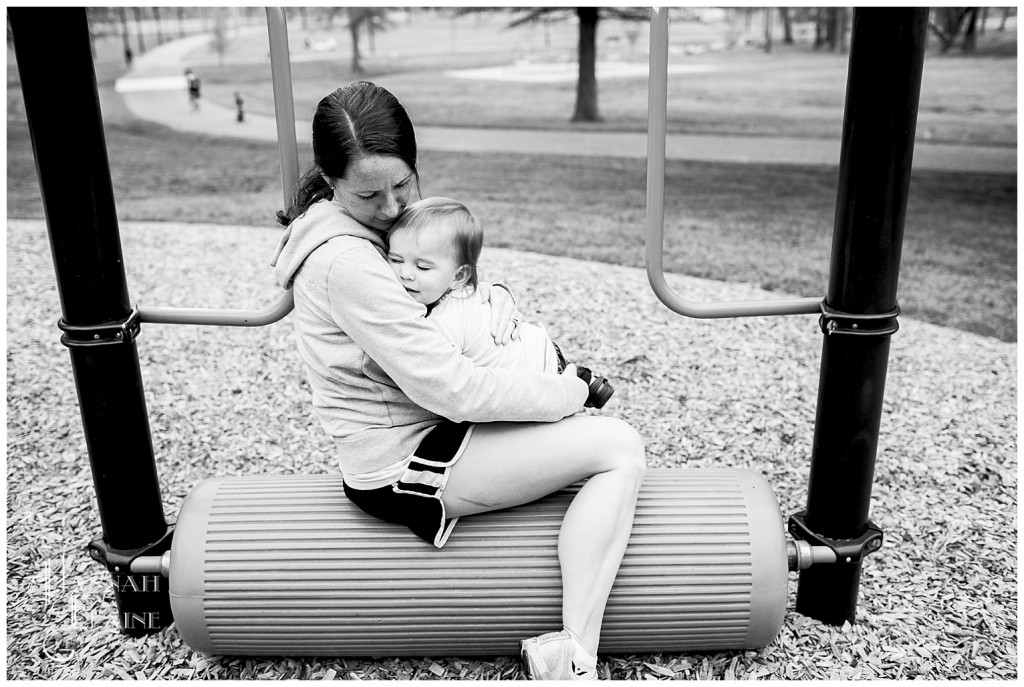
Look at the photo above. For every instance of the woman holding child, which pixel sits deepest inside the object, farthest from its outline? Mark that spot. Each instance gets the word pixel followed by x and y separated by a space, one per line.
pixel 423 434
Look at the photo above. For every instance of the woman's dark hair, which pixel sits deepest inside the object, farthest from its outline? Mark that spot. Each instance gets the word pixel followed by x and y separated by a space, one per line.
pixel 355 120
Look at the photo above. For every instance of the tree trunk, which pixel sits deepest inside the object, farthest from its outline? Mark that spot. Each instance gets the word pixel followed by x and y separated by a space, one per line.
pixel 841 29
pixel 946 25
pixel 353 29
pixel 586 85
pixel 830 28
pixel 787 25
pixel 984 19
pixel 138 29
pixel 971 35
pixel 819 34
pixel 159 28
pixel 767 29
pixel 181 22
pixel 124 37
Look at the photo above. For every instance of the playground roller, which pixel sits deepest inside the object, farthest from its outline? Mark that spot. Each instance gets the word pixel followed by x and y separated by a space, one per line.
pixel 287 565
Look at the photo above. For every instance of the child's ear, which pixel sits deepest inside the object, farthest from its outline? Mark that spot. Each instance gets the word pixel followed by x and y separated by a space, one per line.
pixel 462 276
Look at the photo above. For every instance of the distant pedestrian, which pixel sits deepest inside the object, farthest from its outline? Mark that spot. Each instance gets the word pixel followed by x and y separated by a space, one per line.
pixel 240 106
pixel 193 88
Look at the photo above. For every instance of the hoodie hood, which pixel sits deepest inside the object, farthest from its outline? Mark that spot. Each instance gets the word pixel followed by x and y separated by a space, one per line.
pixel 323 221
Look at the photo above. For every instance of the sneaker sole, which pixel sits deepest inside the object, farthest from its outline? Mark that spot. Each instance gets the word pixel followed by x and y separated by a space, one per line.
pixel 532 672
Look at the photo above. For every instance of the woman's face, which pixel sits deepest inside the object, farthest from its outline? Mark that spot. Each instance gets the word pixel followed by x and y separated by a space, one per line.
pixel 375 189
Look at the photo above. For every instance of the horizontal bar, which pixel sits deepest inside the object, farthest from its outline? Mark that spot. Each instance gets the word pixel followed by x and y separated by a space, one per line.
pixel 657 113
pixel 230 318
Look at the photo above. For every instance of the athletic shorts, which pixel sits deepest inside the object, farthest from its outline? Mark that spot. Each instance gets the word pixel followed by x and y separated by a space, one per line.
pixel 415 499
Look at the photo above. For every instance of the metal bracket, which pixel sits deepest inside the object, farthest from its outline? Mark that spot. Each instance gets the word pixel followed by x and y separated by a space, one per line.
pixel 879 324
pixel 120 560
pixel 101 334
pixel 846 550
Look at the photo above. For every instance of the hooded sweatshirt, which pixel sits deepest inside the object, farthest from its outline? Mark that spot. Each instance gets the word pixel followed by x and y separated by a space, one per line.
pixel 381 373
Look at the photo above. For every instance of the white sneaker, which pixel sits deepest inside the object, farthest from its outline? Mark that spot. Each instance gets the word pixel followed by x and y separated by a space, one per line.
pixel 550 657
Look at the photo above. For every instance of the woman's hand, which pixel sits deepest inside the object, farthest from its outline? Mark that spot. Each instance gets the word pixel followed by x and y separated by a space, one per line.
pixel 504 313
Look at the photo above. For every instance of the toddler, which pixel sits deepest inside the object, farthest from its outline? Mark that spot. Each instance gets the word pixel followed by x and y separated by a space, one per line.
pixel 433 248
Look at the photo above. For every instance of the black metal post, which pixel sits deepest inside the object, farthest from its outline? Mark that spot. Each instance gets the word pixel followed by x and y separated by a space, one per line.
pixel 859 318
pixel 63 108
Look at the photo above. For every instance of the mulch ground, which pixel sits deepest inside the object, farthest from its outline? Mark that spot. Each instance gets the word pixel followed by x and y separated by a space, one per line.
pixel 939 601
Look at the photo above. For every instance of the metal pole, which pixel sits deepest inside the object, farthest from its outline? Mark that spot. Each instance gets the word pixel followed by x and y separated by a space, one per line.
pixel 883 87
pixel 63 108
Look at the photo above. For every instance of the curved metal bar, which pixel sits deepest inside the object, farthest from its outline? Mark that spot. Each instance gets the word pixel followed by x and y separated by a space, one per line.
pixel 228 318
pixel 284 109
pixel 657 109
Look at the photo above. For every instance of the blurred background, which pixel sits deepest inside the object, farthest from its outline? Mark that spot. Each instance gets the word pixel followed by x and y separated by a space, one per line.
pixel 756 75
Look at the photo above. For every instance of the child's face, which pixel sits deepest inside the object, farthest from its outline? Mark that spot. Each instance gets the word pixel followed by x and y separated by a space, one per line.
pixel 423 263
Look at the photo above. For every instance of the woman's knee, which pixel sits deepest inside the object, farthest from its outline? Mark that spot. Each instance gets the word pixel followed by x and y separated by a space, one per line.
pixel 624 448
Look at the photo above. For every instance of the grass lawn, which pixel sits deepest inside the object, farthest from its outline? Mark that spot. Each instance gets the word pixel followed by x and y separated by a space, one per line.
pixel 766 225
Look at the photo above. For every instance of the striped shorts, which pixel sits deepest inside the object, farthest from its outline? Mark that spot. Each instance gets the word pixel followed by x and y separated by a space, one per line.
pixel 415 499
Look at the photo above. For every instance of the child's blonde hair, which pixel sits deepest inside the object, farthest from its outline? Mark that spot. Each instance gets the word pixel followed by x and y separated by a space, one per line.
pixel 464 233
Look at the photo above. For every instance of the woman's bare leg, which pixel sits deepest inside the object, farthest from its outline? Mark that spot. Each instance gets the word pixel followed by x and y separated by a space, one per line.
pixel 508 464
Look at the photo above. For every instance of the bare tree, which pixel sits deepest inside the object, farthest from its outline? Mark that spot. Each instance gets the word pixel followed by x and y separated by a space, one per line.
pixel 138 29
pixel 1006 15
pixel 159 26
pixel 787 25
pixel 586 109
pixel 948 22
pixel 124 36
pixel 830 28
pixel 370 18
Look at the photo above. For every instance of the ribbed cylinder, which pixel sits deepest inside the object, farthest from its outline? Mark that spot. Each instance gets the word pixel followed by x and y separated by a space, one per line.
pixel 287 566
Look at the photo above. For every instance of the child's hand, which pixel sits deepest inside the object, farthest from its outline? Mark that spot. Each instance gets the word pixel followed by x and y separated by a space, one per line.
pixel 504 313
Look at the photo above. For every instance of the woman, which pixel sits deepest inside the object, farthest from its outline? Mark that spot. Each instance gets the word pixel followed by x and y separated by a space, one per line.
pixel 403 404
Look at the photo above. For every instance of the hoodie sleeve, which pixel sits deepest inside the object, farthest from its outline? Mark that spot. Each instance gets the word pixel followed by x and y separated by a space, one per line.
pixel 369 305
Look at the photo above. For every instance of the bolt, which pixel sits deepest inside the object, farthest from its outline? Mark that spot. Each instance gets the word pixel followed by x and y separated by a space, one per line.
pixel 849 560
pixel 854 325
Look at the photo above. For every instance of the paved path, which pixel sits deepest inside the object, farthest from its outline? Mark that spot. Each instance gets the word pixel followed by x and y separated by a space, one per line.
pixel 155 90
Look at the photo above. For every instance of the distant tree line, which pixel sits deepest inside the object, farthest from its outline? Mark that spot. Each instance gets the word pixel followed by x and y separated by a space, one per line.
pixel 951 26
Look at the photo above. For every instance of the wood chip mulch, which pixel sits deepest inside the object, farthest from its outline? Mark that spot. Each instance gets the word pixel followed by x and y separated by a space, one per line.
pixel 939 601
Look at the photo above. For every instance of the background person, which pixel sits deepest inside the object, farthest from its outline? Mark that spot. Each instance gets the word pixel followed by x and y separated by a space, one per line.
pixel 193 84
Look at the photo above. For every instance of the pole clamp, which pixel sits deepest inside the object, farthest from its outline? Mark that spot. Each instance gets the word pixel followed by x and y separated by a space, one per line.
pixel 847 551
pixel 120 560
pixel 857 324
pixel 101 334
